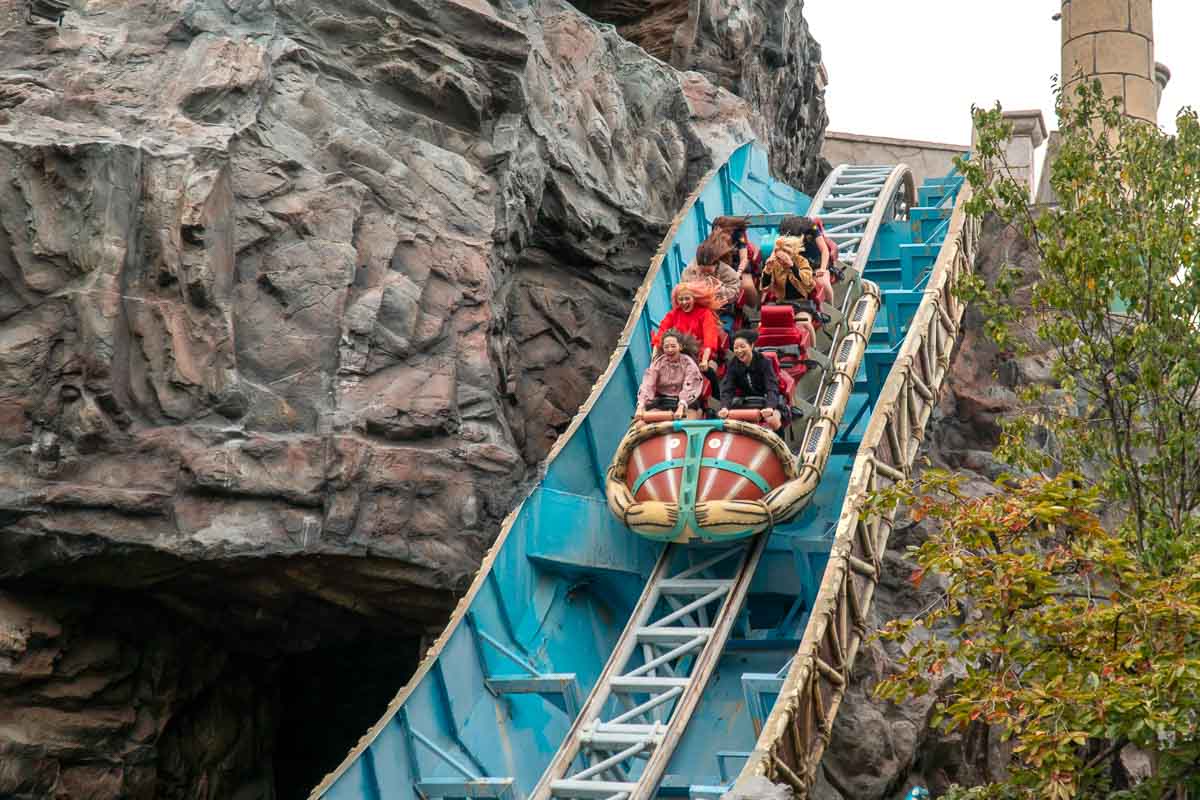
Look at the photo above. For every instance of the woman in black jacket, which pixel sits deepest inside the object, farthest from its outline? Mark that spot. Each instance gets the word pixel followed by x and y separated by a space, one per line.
pixel 751 374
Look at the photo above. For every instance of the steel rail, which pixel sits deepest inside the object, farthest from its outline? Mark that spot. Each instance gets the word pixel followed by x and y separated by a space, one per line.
pixel 799 727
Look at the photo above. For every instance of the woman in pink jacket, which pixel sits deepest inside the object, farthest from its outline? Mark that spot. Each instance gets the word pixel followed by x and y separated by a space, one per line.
pixel 672 382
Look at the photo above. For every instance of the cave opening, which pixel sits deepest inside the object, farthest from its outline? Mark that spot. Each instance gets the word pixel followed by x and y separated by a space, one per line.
pixel 328 698
pixel 175 699
pixel 650 24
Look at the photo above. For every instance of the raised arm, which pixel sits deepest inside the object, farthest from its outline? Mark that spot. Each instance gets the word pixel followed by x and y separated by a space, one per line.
pixel 823 249
pixel 731 283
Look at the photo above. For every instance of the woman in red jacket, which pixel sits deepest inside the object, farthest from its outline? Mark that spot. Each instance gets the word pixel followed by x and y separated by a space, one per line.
pixel 692 313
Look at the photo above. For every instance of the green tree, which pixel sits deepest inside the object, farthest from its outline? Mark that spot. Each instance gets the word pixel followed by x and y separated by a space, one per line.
pixel 1080 639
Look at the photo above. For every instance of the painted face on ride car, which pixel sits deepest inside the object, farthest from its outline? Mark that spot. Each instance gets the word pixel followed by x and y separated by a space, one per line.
pixel 670 346
pixel 742 350
pixel 686 301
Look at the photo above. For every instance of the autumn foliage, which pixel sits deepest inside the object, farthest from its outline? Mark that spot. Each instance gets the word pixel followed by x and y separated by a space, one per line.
pixel 1078 642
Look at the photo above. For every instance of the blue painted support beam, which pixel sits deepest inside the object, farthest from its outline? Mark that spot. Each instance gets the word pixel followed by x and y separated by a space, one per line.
pixel 901 305
pixel 877 363
pixel 885 272
pixel 747 195
pixel 702 220
pixel 445 757
pixel 846 447
pixel 915 260
pixel 482 635
pixel 953 182
pixel 723 766
pixel 564 685
pixel 754 686
pixel 926 221
pixel 502 611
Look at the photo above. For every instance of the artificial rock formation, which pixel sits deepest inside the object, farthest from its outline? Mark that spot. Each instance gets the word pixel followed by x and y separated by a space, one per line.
pixel 761 50
pixel 293 296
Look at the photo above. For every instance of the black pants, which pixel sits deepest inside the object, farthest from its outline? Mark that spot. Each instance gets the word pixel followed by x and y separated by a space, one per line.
pixel 713 381
pixel 666 402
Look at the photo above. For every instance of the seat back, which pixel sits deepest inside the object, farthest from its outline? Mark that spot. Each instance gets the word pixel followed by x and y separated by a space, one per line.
pixel 786 381
pixel 777 328
pixel 779 337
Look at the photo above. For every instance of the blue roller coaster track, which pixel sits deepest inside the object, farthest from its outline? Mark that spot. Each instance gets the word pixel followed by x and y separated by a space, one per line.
pixel 500 690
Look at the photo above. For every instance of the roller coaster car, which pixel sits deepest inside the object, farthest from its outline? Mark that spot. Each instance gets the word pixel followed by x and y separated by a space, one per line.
pixel 718 480
pixel 715 480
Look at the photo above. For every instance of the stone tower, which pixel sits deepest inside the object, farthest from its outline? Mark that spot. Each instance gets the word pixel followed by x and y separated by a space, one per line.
pixel 1113 40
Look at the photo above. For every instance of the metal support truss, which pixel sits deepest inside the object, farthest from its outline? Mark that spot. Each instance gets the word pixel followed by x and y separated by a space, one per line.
pixel 637 712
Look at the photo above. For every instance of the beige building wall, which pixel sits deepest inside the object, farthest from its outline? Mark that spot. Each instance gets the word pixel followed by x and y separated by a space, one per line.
pixel 927 159
pixel 1112 40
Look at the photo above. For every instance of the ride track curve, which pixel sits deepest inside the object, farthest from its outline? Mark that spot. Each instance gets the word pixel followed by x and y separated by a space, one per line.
pixel 498 692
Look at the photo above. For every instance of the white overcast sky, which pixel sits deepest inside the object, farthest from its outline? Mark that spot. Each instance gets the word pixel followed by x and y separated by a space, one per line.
pixel 912 70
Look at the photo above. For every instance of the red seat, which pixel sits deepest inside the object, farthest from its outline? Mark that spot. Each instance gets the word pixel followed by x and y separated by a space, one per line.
pixel 779 336
pixel 786 381
pixel 777 328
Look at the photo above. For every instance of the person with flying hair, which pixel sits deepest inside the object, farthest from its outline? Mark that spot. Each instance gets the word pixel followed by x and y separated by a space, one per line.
pixel 692 313
pixel 672 381
pixel 709 267
pixel 816 250
pixel 741 254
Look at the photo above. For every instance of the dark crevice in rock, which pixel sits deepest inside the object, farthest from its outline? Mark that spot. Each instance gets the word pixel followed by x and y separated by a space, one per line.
pixel 330 697
pixel 650 24
pixel 120 690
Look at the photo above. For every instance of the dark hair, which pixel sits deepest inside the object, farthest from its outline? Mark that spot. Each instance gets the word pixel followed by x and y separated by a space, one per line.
pixel 750 336
pixel 710 251
pixel 687 343
pixel 731 224
pixel 796 226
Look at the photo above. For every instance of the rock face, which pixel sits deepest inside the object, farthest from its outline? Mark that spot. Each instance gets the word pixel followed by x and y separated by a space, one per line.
pixel 761 50
pixel 102 699
pixel 879 749
pixel 293 295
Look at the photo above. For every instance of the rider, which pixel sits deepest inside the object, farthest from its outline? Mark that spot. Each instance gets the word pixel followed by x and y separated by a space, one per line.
pixel 672 381
pixel 787 277
pixel 816 251
pixel 710 267
pixel 691 313
pixel 744 256
pixel 751 374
